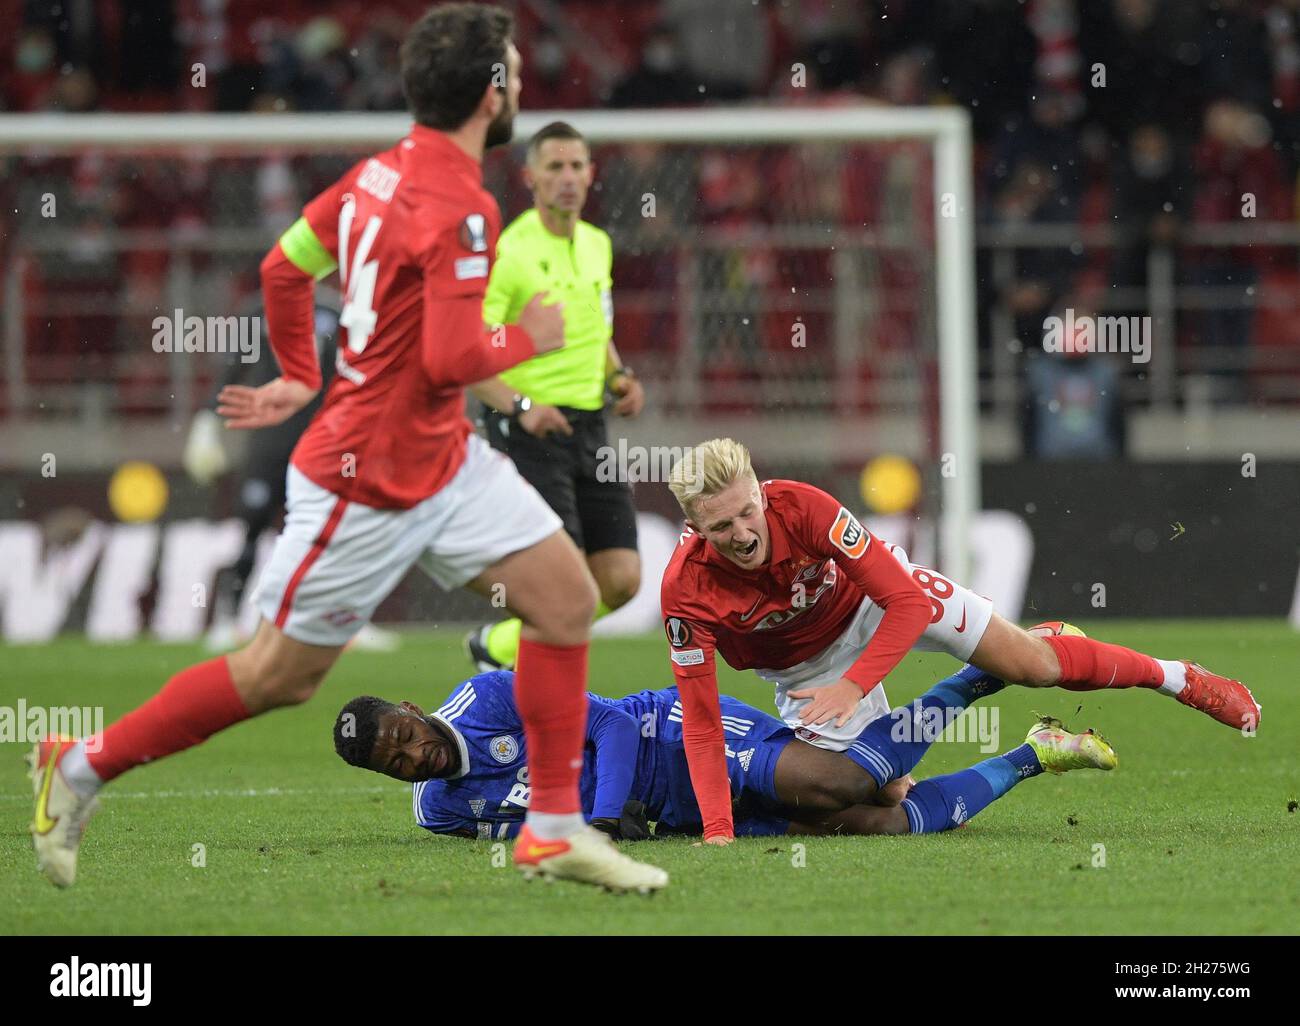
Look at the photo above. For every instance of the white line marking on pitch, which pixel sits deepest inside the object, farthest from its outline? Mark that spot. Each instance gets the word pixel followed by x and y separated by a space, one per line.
pixel 250 792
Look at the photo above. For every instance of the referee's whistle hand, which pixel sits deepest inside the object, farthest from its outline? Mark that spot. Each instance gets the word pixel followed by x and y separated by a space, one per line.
pixel 545 323
pixel 631 396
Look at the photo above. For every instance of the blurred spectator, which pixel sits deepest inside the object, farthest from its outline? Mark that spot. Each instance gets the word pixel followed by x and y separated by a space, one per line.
pixel 832 40
pixel 726 45
pixel 985 56
pixel 1152 196
pixel 1073 408
pixel 75 30
pixel 311 69
pixel 658 80
pixel 148 54
pixel 1043 274
pixel 1048 137
pixel 552 77
pixel 645 198
pixel 33 71
pixel 906 78
pixel 1238 182
pixel 1055 26
pixel 645 190
pixel 74 92
pixel 1235 54
pixel 1282 21
pixel 378 84
pixel 1150 57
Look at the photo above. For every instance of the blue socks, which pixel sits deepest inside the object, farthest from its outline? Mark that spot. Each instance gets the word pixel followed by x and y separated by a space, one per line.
pixel 892 745
pixel 945 802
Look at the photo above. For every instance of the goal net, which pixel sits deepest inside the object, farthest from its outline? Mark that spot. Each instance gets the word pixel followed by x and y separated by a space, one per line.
pixel 800 279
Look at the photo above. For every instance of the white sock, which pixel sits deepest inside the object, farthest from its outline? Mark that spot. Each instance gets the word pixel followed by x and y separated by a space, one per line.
pixel 77 771
pixel 555 826
pixel 1175 676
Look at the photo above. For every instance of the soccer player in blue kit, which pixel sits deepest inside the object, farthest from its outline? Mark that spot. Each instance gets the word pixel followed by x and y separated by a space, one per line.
pixel 470 774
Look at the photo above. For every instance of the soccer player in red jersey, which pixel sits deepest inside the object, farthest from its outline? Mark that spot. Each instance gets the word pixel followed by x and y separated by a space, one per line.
pixel 388 474
pixel 781 578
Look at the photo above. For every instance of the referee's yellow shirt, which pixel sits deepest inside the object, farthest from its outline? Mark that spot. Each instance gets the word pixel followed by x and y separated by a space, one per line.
pixel 577 272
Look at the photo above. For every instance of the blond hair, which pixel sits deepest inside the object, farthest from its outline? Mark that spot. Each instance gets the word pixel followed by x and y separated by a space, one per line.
pixel 707 469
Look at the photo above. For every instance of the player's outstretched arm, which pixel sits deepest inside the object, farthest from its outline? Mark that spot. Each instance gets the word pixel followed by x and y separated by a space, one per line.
pixel 616 737
pixel 705 747
pixel 692 649
pixel 266 406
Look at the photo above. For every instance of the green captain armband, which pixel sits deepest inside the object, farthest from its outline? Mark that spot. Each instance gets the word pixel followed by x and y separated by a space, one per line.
pixel 305 251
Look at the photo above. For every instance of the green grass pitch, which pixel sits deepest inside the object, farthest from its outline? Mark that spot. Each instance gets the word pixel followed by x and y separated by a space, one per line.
pixel 1195 824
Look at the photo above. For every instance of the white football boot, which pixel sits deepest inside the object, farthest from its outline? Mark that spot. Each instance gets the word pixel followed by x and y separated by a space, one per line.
pixel 61 813
pixel 586 857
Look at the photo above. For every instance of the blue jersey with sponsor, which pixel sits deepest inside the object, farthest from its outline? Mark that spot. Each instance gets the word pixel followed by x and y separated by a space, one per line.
pixel 633 751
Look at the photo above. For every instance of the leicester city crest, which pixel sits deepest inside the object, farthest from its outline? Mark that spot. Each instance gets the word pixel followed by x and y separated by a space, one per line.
pixel 504 749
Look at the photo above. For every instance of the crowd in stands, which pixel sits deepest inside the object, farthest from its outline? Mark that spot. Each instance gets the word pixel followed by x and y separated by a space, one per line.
pixel 1146 116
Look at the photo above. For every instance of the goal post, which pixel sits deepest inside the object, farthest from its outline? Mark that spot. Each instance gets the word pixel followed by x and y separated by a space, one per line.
pixel 946 130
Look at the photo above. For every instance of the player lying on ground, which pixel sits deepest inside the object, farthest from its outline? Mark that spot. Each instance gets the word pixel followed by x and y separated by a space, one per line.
pixel 782 579
pixel 469 764
pixel 389 474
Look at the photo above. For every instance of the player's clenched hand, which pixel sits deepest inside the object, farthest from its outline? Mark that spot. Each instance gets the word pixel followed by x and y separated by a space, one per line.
pixel 632 824
pixel 545 323
pixel 839 700
pixel 266 406
pixel 539 420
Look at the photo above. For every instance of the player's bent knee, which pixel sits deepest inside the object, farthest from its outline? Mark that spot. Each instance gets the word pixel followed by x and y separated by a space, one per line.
pixel 620 589
pixel 268 677
pixel 576 604
pixel 292 687
pixel 565 618
pixel 841 790
pixel 1041 667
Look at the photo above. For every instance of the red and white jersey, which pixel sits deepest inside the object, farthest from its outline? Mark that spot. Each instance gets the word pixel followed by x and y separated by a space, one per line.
pixel 822 564
pixel 413 232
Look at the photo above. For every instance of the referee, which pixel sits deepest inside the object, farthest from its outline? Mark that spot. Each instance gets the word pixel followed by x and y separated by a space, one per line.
pixel 547 413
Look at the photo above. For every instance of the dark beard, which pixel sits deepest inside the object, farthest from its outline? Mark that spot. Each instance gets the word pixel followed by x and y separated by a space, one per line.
pixel 501 130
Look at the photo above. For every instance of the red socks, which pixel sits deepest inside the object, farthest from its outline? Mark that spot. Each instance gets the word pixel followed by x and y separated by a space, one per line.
pixel 1090 665
pixel 190 708
pixel 550 691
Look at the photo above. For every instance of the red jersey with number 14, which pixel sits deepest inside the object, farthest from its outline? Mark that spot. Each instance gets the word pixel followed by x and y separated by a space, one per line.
pixel 822 563
pixel 413 232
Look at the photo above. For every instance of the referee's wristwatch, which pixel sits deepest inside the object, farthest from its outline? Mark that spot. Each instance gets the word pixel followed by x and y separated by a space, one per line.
pixel 522 405
pixel 618 372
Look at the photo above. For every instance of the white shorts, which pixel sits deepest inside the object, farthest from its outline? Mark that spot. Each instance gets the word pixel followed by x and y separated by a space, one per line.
pixel 336 560
pixel 965 617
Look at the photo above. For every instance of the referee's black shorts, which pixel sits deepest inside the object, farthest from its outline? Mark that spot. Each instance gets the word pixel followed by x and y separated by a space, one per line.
pixel 597 514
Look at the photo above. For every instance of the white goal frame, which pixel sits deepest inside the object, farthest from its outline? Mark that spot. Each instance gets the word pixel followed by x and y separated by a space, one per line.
pixel 946 129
